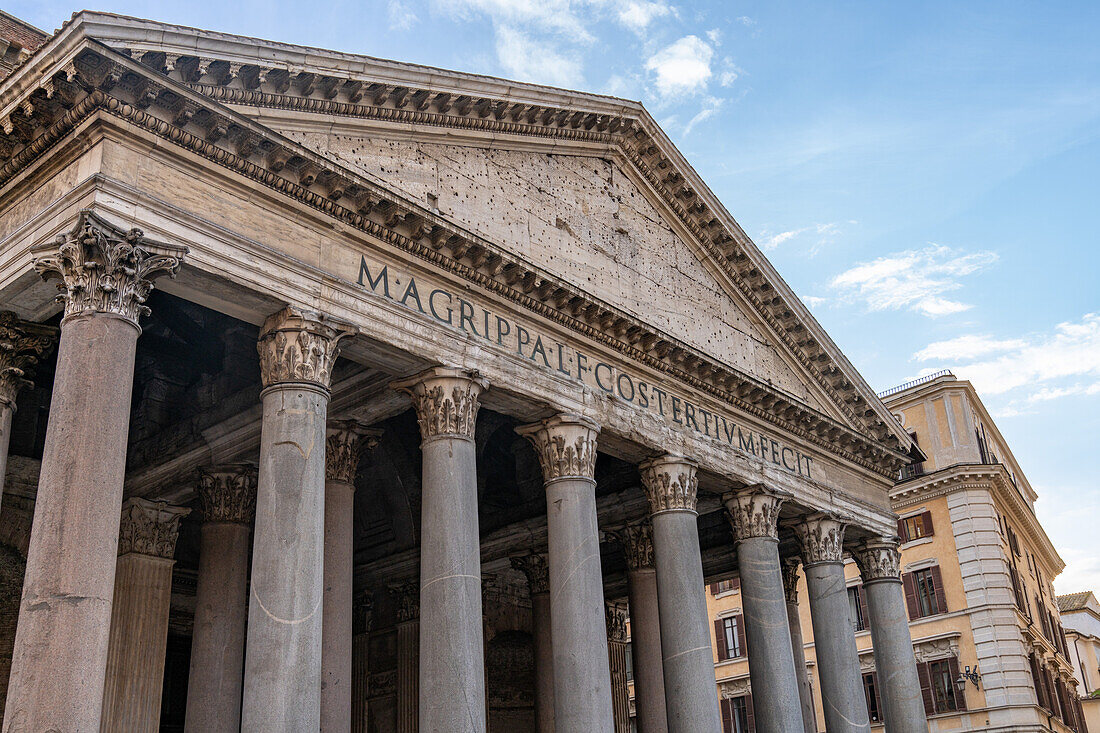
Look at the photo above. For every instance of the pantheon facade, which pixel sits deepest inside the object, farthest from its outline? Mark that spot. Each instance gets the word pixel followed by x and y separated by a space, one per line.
pixel 347 394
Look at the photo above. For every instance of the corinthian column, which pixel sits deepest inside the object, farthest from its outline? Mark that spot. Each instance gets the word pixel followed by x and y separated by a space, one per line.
pixel 616 654
pixel 845 708
pixel 362 617
pixel 880 565
pixel 798 648
pixel 22 343
pixel 566 447
pixel 452 667
pixel 408 655
pixel 345 443
pixel 538 583
pixel 753 514
pixel 282 676
pixel 690 697
pixel 60 656
pixel 645 626
pixel 227 497
pixel 139 616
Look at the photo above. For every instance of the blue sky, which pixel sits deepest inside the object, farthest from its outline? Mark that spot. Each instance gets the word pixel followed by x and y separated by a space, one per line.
pixel 922 174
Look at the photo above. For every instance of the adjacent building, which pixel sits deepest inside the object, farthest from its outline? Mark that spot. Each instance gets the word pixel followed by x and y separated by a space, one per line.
pixel 1081 617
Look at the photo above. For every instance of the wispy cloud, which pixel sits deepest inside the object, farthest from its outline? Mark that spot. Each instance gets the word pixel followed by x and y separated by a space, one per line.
pixel 966 347
pixel 682 67
pixel 637 14
pixel 915 280
pixel 821 235
pixel 401 16
pixel 531 59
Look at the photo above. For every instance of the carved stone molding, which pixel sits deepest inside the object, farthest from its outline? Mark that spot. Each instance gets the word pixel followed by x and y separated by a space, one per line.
pixel 362 612
pixel 446 401
pixel 734 688
pixel 344 445
pixel 821 537
pixel 636 539
pixel 22 344
pixel 298 345
pixel 790 566
pixel 879 560
pixel 933 649
pixel 565 445
pixel 754 512
pixel 149 528
pixel 670 483
pixel 408 600
pixel 616 622
pixel 106 269
pixel 538 574
pixel 228 493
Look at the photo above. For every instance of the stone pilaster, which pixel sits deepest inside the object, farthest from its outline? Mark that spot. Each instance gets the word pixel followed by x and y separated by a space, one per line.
pixel 227 499
pixel 60 654
pixel 139 617
pixel 361 620
pixel 616 654
pixel 282 679
pixel 408 655
pixel 345 442
pixel 821 537
pixel 802 674
pixel 566 447
pixel 534 567
pixel 880 565
pixel 453 668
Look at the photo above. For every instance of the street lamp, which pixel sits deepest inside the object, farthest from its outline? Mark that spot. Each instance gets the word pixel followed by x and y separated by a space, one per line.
pixel 960 683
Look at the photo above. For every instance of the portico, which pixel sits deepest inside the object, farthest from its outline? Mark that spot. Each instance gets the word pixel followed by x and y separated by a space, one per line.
pixel 550 427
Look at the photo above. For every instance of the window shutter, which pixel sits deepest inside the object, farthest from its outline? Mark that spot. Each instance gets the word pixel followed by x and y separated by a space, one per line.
pixel 910 595
pixel 750 717
pixel 903 533
pixel 926 688
pixel 714 589
pixel 720 640
pixel 739 627
pixel 960 697
pixel 862 594
pixel 926 520
pixel 725 705
pixel 1036 681
pixel 736 583
pixel 941 596
pixel 1065 642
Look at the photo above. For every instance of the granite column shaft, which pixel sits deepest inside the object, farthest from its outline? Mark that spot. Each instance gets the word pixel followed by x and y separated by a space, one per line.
pixel 798 648
pixel 538 582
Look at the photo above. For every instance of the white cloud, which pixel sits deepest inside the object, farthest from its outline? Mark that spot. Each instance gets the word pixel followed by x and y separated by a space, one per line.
pixel 813 301
pixel 825 234
pixel 401 16
pixel 638 14
pixel 746 21
pixel 555 16
pixel 711 105
pixel 914 279
pixel 682 68
pixel 966 347
pixel 714 35
pixel 529 59
pixel 730 72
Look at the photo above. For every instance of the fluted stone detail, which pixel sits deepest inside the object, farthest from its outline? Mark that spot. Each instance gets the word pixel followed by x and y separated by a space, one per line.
pixel 790 567
pixel 821 537
pixel 670 483
pixel 300 346
pixel 534 567
pixel 879 560
pixel 228 493
pixel 345 443
pixel 408 600
pixel 362 616
pixel 22 344
pixel 106 269
pixel 616 622
pixel 754 512
pixel 446 401
pixel 149 528
pixel 565 445
pixel 636 539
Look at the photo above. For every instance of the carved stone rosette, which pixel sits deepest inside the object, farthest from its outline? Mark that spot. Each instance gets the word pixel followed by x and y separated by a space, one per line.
pixel 106 269
pixel 565 445
pixel 408 600
pixel 446 401
pixel 344 445
pixel 228 493
pixel 754 512
pixel 300 346
pixel 637 542
pixel 822 539
pixel 670 483
pixel 790 566
pixel 149 528
pixel 879 560
pixel 22 344
pixel 535 568
pixel 616 622
pixel 362 612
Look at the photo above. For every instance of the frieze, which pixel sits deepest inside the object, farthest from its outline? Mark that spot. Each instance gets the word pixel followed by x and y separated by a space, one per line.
pixel 929 651
pixel 754 513
pixel 734 688
pixel 105 269
pixel 22 344
pixel 534 567
pixel 446 401
pixel 565 445
pixel 636 540
pixel 228 493
pixel 383 684
pixel 345 443
pixel 149 528
pixel 821 537
pixel 670 483
pixel 300 346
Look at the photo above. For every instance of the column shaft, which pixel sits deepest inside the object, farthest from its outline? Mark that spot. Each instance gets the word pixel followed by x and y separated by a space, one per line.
pixel 544 663
pixel 616 655
pixel 645 646
pixel 798 648
pixel 362 616
pixel 408 676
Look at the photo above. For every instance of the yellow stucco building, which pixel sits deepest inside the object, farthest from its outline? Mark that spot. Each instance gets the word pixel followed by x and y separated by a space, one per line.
pixel 1081 616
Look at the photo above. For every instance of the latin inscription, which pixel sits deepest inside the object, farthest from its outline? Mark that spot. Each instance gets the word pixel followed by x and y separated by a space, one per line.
pixel 455 311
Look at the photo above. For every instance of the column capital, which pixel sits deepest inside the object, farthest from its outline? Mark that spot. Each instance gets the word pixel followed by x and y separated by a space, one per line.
pixel 446 401
pixel 149 528
pixel 227 493
pixel 22 344
pixel 879 559
pixel 565 445
pixel 104 268
pixel 345 442
pixel 636 539
pixel 670 483
pixel 534 567
pixel 616 622
pixel 790 566
pixel 300 346
pixel 407 594
pixel 821 536
pixel 362 612
pixel 754 512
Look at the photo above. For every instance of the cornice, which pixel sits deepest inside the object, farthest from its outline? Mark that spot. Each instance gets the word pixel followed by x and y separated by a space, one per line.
pixel 95 79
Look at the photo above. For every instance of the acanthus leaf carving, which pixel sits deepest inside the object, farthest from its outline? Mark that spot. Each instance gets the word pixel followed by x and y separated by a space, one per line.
pixel 821 537
pixel 636 539
pixel 149 528
pixel 22 344
pixel 879 560
pixel 446 401
pixel 345 443
pixel 534 567
pixel 616 622
pixel 565 446
pixel 228 493
pixel 297 345
pixel 670 483
pixel 754 513
pixel 790 566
